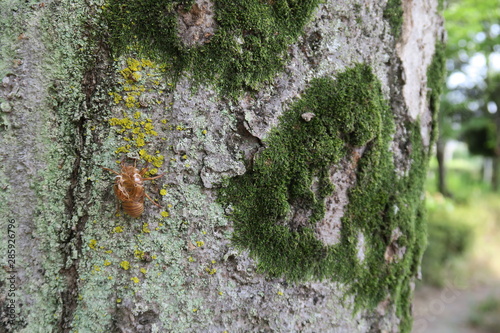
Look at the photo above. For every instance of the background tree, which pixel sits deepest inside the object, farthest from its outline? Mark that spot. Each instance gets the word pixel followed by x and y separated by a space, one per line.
pixel 294 137
pixel 468 110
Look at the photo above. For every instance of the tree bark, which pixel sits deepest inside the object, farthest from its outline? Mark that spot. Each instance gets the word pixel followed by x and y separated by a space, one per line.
pixel 495 177
pixel 440 153
pixel 338 120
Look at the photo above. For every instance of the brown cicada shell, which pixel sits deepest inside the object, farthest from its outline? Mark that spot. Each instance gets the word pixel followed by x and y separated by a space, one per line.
pixel 129 188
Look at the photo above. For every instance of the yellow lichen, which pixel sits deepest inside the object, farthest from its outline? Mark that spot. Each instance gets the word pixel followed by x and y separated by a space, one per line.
pixel 136 76
pixel 211 271
pixel 118 229
pixel 135 128
pixel 138 254
pixel 92 243
pixel 134 64
pixel 125 265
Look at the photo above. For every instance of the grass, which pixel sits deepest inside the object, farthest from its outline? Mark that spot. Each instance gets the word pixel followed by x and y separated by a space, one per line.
pixel 463 231
pixel 486 315
pixel 464 178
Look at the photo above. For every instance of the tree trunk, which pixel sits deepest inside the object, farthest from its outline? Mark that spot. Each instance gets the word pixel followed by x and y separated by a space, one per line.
pixel 293 138
pixel 495 177
pixel 440 153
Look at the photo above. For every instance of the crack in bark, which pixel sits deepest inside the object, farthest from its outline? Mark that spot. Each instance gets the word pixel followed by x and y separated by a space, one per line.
pixel 76 198
pixel 73 241
pixel 249 143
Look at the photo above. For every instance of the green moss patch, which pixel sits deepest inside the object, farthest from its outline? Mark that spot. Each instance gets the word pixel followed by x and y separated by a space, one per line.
pixel 293 171
pixel 436 73
pixel 248 45
pixel 393 13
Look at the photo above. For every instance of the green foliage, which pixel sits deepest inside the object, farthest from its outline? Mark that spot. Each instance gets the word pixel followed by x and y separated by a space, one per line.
pixel 463 175
pixel 480 136
pixel 450 239
pixel 458 226
pixel 293 171
pixel 466 18
pixel 248 46
pixel 393 12
pixel 486 315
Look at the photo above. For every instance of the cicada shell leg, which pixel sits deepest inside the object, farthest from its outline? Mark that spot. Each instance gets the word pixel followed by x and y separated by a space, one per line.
pixel 155 177
pixel 110 170
pixel 147 196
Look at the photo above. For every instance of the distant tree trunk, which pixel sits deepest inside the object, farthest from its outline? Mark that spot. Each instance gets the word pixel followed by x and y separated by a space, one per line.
pixel 494 96
pixel 494 174
pixel 440 155
pixel 294 137
pixel 495 181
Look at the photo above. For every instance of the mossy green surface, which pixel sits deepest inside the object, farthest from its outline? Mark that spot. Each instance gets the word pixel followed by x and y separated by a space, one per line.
pixel 436 74
pixel 349 112
pixel 248 45
pixel 393 13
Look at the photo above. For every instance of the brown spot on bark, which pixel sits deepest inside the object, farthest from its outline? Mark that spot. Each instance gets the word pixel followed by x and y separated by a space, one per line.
pixel 197 25
pixel 394 252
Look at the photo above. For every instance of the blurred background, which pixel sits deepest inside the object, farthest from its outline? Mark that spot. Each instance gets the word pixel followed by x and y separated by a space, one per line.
pixel 460 287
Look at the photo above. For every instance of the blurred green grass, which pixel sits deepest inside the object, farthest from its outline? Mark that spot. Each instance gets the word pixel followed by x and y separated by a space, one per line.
pixel 463 231
pixel 486 315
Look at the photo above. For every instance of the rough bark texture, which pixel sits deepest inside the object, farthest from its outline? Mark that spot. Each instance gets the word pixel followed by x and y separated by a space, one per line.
pixel 68 107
